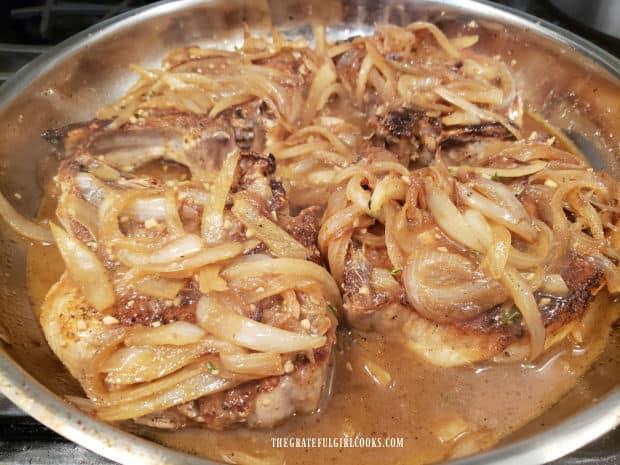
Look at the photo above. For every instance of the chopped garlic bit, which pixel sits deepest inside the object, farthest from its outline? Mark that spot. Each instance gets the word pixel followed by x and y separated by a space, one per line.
pixel 364 290
pixel 289 367
pixel 150 223
pixel 551 183
pixel 109 320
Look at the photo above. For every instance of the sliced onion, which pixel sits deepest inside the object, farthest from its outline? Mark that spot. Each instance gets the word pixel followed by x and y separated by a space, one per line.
pixel 503 215
pixel 517 172
pixel 336 224
pixel 258 288
pixel 143 209
pixel 213 213
pixel 394 250
pixel 479 226
pixel 137 364
pixel 204 257
pixel 525 302
pixel 440 37
pixel 258 364
pixel 449 218
pixel 409 85
pixel 199 385
pixel 445 287
pixel 224 323
pixel 81 211
pixel 283 267
pixel 174 251
pixel 388 188
pixel 160 287
pixel 324 77
pixel 281 243
pixel 465 41
pixel 209 279
pixel 358 195
pixel 23 226
pixel 554 284
pixel 477 92
pixel 383 281
pixel 517 258
pixel 498 252
pixel 336 255
pixel 483 115
pixel 178 333
pixel 585 209
pixel 377 373
pixel 85 269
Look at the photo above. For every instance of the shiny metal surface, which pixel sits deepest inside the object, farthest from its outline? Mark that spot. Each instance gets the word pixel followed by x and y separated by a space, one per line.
pixel 601 15
pixel 573 83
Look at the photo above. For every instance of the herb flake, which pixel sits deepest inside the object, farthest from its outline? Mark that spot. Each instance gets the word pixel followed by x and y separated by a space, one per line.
pixel 510 316
pixel 495 177
pixel 332 309
pixel 212 368
pixel 395 271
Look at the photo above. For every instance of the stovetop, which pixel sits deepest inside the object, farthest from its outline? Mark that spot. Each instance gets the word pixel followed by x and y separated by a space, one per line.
pixel 30 27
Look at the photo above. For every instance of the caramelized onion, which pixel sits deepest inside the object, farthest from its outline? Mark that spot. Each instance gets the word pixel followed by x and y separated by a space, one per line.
pixel 138 364
pixel 205 256
pixel 285 266
pixel 158 286
pixel 174 251
pixel 506 213
pixel 554 284
pixel 517 172
pixel 85 269
pixel 186 389
pixel 178 333
pixel 445 287
pixel 23 226
pixel 525 302
pixel 257 364
pixel 213 213
pixel 281 243
pixel 226 324
pixel 449 218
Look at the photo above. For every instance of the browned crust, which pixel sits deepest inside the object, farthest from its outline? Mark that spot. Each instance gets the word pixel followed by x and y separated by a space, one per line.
pixel 582 278
pixel 220 411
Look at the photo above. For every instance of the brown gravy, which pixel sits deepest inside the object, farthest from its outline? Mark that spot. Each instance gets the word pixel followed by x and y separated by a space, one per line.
pixel 438 412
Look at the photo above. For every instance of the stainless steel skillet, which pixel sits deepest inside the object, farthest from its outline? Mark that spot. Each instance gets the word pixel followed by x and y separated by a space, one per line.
pixel 573 83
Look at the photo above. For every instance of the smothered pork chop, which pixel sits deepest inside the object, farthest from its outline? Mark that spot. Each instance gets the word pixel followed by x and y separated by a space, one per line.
pixel 196 301
pixel 497 259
